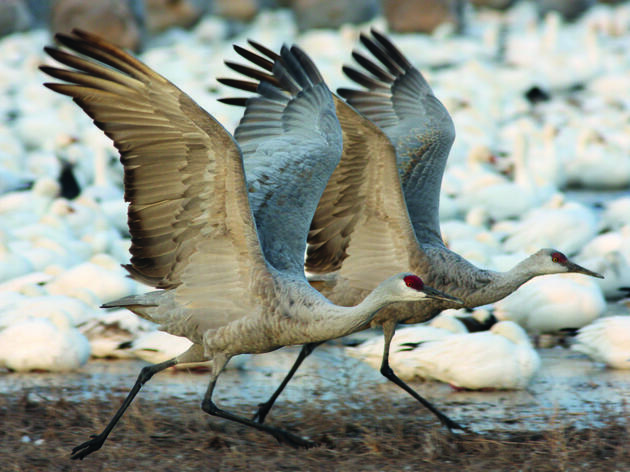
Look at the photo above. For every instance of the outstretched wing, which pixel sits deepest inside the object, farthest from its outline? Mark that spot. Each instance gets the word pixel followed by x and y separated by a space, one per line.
pixel 190 222
pixel 361 226
pixel 398 100
pixel 288 168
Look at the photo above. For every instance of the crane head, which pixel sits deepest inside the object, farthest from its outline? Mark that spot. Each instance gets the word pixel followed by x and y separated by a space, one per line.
pixel 559 263
pixel 415 283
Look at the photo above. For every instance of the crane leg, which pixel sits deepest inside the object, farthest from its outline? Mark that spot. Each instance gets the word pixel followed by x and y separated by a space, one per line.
pixel 264 408
pixel 389 329
pixel 96 441
pixel 281 436
pixel 194 354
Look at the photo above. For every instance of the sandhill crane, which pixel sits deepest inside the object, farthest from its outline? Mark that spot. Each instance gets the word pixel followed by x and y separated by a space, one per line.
pixel 229 269
pixel 361 226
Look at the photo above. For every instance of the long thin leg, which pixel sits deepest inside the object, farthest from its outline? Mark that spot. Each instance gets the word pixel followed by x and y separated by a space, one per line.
pixel 281 436
pixel 96 441
pixel 194 354
pixel 264 408
pixel 389 329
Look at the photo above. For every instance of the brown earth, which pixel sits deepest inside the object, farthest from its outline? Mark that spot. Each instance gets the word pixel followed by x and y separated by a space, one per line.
pixel 574 416
pixel 175 435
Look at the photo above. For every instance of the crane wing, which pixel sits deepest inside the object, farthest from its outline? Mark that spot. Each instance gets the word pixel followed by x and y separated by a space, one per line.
pixel 189 218
pixel 397 98
pixel 361 221
pixel 361 226
pixel 288 168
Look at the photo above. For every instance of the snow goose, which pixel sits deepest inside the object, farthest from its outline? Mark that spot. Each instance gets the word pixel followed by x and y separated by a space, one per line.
pixel 502 358
pixel 371 351
pixel 606 340
pixel 50 344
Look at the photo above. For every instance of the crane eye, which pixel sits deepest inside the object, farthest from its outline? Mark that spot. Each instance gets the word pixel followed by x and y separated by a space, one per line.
pixel 554 259
pixel 414 282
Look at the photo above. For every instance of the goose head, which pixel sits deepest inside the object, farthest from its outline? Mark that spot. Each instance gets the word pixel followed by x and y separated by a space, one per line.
pixel 511 331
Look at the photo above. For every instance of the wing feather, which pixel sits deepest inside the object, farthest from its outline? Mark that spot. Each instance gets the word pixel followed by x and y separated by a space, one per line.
pixel 397 98
pixel 288 170
pixel 363 192
pixel 189 217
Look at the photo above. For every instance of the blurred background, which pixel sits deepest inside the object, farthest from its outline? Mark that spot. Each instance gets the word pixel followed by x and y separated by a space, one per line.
pixel 539 94
pixel 538 91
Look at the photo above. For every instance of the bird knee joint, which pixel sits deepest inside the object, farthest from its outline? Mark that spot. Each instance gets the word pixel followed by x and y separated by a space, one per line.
pixel 209 407
pixel 145 374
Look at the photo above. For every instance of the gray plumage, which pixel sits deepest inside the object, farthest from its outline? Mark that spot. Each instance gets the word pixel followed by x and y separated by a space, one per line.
pixel 397 98
pixel 229 271
pixel 368 223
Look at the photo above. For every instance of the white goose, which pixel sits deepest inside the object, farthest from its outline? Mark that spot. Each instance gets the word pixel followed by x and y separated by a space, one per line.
pixel 606 340
pixel 502 358
pixel 50 344
pixel 228 270
pixel 552 304
pixel 371 351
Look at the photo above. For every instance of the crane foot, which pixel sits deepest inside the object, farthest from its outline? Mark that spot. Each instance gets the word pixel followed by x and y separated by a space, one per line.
pixel 88 447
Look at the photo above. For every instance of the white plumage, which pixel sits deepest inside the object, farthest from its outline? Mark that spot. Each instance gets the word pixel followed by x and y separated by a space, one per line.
pixel 371 351
pixel 502 358
pixel 606 340
pixel 553 303
pixel 43 344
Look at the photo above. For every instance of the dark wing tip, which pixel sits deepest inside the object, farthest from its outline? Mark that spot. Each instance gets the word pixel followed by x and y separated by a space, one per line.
pixel 260 61
pixel 263 50
pixel 307 63
pixel 238 84
pixel 251 72
pixel 236 101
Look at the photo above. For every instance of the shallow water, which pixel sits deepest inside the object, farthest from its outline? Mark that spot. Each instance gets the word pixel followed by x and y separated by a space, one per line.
pixel 570 390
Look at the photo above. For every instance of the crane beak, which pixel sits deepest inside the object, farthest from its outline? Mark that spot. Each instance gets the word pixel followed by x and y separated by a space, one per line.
pixel 436 294
pixel 578 269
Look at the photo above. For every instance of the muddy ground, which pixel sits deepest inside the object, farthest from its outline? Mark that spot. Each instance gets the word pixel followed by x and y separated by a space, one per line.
pixel 574 416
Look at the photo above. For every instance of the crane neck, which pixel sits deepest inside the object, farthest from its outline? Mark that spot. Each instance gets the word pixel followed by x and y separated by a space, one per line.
pixel 505 283
pixel 337 321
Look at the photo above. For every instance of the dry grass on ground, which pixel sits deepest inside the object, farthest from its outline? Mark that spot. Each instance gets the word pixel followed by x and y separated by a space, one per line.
pixel 178 436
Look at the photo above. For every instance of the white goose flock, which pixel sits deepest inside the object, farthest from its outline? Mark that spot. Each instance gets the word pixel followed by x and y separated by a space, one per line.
pixel 520 176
